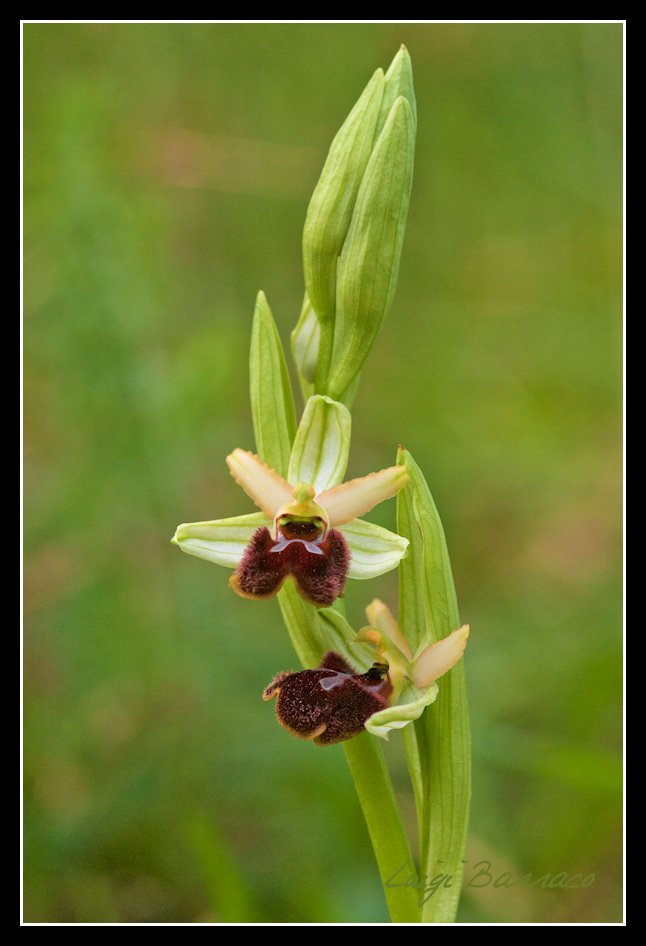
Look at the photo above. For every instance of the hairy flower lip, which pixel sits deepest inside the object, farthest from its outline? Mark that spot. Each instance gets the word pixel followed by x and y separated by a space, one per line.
pixel 331 702
pixel 319 570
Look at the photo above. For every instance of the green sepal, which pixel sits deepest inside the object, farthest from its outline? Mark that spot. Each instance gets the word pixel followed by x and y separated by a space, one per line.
pixel 322 444
pixel 221 541
pixel 410 705
pixel 375 550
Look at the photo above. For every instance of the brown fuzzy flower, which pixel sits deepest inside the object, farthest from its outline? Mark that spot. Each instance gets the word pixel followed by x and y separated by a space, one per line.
pixel 330 703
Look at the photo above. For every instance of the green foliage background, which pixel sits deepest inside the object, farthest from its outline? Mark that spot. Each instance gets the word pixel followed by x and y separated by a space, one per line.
pixel 167 174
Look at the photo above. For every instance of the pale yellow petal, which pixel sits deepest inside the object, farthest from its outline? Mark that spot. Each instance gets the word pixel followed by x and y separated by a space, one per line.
pixel 380 615
pixel 268 490
pixel 439 657
pixel 350 500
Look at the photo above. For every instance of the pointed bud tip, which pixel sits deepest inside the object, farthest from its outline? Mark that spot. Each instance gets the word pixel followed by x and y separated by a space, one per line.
pixel 180 533
pixel 401 53
pixel 402 456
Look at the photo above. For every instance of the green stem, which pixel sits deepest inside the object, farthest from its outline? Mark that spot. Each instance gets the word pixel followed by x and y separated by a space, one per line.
pixel 303 625
pixel 389 840
pixel 369 772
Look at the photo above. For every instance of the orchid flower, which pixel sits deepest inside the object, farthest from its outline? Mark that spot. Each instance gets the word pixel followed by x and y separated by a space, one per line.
pixel 334 702
pixel 308 527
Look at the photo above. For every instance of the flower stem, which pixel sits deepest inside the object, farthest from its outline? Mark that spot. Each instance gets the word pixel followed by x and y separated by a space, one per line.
pixel 303 625
pixel 389 840
pixel 369 772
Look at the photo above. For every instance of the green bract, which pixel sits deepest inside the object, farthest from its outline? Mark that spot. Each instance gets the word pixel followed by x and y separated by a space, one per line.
pixel 305 340
pixel 270 389
pixel 439 743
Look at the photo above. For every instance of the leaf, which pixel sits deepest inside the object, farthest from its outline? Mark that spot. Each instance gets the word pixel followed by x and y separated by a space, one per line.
pixel 228 890
pixel 440 751
pixel 272 402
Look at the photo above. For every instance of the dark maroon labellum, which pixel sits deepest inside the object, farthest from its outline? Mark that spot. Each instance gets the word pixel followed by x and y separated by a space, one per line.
pixel 318 562
pixel 332 702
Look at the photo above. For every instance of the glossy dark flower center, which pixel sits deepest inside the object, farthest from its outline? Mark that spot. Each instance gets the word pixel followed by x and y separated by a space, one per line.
pixel 305 530
pixel 318 561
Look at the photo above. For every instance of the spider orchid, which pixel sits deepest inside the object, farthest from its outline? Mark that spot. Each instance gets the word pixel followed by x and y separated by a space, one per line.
pixel 308 528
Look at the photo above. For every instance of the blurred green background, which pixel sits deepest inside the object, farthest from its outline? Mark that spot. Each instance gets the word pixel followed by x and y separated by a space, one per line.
pixel 167 174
